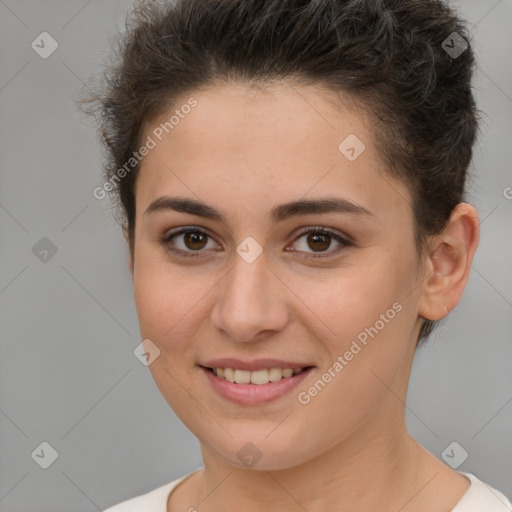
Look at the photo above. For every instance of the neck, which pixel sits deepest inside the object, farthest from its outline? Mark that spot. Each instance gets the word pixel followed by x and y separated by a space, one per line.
pixel 369 471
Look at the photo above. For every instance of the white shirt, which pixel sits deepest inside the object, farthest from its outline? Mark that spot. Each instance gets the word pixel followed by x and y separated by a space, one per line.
pixel 479 497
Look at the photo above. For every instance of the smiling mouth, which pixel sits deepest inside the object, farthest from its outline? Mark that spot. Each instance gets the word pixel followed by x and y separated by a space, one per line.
pixel 257 377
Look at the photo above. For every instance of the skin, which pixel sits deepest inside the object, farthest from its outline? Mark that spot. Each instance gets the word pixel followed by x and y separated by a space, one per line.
pixel 244 151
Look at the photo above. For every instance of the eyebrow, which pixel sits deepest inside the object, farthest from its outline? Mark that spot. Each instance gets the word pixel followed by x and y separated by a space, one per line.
pixel 278 213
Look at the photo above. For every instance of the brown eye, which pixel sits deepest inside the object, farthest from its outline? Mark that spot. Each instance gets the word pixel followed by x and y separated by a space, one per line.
pixel 187 242
pixel 195 240
pixel 319 240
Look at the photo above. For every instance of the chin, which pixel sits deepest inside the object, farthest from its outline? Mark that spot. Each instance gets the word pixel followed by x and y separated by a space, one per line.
pixel 260 454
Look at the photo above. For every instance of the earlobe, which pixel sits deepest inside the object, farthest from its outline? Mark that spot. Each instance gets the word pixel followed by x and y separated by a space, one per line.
pixel 449 263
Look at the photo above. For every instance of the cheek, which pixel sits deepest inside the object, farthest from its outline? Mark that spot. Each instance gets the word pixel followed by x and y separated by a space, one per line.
pixel 349 300
pixel 170 304
pixel 366 322
pixel 167 316
pixel 156 299
pixel 356 385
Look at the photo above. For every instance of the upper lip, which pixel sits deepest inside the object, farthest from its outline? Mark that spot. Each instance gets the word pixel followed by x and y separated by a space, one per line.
pixel 256 364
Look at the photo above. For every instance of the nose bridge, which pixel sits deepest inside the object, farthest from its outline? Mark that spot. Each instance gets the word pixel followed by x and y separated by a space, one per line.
pixel 248 278
pixel 248 300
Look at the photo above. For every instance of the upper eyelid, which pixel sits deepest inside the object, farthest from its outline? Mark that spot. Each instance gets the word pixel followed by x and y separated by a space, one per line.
pixel 329 231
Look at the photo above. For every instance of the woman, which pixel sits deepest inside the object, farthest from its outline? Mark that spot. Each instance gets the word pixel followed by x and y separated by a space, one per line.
pixel 290 176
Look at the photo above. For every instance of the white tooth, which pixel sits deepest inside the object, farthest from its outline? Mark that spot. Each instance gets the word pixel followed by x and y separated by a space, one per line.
pixel 229 374
pixel 242 377
pixel 275 374
pixel 259 377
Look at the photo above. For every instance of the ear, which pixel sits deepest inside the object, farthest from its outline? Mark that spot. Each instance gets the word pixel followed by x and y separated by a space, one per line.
pixel 449 263
pixel 130 255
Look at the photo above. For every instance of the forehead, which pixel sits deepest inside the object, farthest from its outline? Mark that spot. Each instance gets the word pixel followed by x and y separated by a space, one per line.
pixel 276 144
pixel 281 116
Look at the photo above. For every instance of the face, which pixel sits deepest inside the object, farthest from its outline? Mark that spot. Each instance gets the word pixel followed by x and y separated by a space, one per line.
pixel 260 284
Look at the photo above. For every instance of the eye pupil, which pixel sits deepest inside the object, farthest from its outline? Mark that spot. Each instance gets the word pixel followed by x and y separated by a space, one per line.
pixel 318 237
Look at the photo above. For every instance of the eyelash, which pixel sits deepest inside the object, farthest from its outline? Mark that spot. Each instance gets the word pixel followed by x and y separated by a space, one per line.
pixel 317 230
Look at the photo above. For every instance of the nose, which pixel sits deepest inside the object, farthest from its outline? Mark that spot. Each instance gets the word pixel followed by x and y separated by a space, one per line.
pixel 250 301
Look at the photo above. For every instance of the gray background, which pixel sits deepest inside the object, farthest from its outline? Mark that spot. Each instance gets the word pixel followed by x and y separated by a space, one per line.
pixel 68 326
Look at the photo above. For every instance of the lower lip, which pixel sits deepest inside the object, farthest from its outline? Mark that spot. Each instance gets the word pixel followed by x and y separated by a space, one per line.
pixel 250 394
